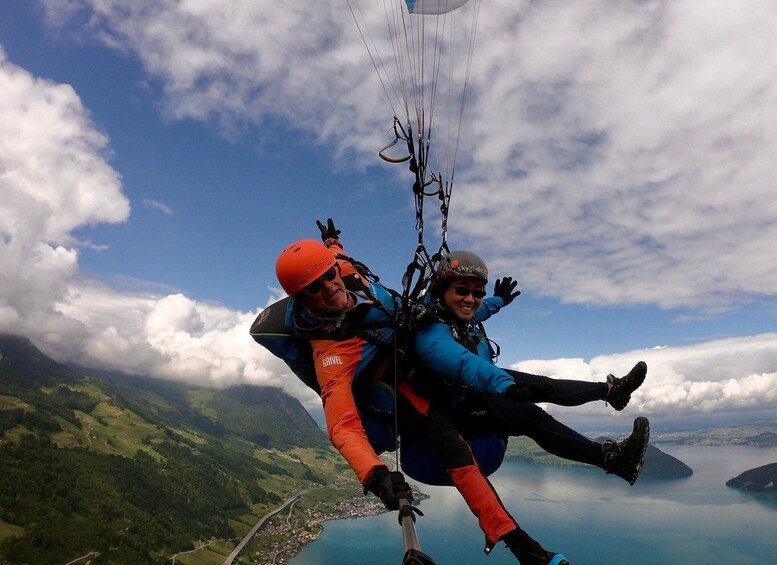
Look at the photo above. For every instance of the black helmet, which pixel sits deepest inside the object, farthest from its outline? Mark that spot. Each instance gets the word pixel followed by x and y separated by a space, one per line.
pixel 461 264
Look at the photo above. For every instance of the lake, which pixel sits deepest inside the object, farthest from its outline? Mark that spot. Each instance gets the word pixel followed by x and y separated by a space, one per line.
pixel 591 518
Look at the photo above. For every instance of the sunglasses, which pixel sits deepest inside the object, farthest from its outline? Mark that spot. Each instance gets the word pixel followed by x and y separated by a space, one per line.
pixel 464 291
pixel 316 286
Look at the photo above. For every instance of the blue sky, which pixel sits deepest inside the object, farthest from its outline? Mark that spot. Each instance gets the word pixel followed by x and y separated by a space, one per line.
pixel 616 159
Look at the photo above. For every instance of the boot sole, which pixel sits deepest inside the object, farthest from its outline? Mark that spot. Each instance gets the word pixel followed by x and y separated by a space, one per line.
pixel 641 430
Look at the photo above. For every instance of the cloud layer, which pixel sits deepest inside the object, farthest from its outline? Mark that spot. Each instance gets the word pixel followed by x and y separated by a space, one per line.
pixel 624 150
pixel 607 140
pixel 638 167
pixel 726 375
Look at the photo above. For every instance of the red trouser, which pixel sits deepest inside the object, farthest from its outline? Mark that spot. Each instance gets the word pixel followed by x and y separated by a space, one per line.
pixel 421 420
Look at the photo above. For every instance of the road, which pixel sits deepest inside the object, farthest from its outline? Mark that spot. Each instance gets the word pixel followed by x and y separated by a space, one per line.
pixel 241 546
pixel 87 556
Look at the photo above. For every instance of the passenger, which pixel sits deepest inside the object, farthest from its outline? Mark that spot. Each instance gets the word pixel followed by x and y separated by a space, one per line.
pixel 456 372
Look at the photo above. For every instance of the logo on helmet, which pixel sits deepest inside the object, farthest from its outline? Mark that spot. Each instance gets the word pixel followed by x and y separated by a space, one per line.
pixel 307 275
pixel 462 263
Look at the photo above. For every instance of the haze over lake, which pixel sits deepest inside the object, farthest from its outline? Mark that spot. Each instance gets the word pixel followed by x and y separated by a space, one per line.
pixel 590 517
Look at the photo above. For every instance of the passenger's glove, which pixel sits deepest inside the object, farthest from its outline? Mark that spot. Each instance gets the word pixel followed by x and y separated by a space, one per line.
pixel 389 486
pixel 328 231
pixel 528 392
pixel 420 315
pixel 503 288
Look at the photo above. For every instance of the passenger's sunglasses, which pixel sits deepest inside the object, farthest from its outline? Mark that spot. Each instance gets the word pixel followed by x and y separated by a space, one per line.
pixel 316 286
pixel 464 291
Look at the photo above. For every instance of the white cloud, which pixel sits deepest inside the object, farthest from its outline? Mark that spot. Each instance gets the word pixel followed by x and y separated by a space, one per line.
pixel 171 337
pixel 637 167
pixel 54 162
pixel 156 205
pixel 54 177
pixel 236 63
pixel 717 376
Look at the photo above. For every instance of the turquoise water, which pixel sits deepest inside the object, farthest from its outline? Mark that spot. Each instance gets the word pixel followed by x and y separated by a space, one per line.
pixel 591 518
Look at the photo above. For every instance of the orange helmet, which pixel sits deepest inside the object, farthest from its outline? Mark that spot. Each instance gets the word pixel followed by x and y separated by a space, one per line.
pixel 301 263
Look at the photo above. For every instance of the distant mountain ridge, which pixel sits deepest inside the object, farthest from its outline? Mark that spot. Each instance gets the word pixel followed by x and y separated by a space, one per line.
pixel 264 415
pixel 765 439
pixel 30 367
pixel 761 433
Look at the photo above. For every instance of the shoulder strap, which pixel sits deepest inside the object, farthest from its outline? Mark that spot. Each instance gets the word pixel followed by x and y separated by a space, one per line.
pixel 365 272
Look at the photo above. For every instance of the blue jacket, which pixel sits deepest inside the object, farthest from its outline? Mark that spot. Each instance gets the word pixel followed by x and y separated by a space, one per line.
pixel 445 355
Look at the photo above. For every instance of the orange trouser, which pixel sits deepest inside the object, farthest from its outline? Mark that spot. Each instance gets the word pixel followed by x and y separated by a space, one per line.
pixel 419 419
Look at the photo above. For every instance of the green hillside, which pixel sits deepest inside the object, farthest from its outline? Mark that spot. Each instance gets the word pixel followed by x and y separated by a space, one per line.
pixel 138 469
pixel 263 415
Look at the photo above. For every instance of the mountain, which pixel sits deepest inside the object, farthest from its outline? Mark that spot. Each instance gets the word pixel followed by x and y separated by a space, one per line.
pixel 761 479
pixel 765 439
pixel 264 415
pixel 762 433
pixel 27 366
pixel 657 463
pixel 137 468
pixel 660 464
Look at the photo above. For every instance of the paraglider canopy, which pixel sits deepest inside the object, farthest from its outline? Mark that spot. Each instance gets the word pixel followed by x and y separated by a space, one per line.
pixel 433 6
pixel 422 53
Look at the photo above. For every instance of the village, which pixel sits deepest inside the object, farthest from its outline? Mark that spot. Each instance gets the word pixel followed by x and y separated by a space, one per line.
pixel 287 533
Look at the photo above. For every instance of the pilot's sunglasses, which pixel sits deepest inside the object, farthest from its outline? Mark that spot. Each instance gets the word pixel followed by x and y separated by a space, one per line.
pixel 316 286
pixel 464 291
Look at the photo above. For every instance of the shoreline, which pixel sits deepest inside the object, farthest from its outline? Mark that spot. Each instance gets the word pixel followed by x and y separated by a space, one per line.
pixel 293 534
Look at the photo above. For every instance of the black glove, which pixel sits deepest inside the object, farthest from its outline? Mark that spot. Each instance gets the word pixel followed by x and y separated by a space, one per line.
pixel 528 392
pixel 389 486
pixel 503 288
pixel 420 315
pixel 528 550
pixel 328 231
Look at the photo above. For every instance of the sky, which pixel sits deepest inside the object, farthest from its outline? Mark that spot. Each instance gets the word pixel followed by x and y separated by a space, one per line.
pixel 616 158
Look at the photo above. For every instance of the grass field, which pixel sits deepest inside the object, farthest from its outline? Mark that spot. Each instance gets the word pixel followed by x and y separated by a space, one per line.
pixel 200 399
pixel 11 402
pixel 8 530
pixel 119 437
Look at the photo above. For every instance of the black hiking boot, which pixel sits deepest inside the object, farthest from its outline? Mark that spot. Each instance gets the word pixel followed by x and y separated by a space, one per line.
pixel 528 551
pixel 620 389
pixel 625 459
